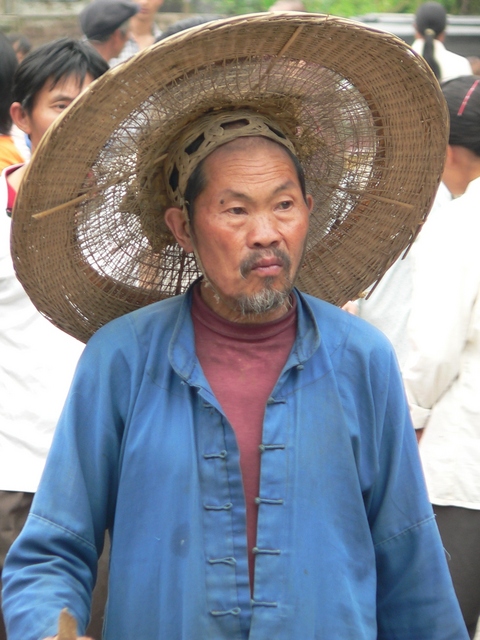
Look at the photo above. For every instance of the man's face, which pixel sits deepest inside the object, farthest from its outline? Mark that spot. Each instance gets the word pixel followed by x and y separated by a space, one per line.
pixel 249 228
pixel 118 41
pixel 49 103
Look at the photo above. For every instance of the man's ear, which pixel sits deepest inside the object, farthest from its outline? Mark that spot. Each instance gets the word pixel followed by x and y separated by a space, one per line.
pixel 20 117
pixel 176 221
pixel 310 203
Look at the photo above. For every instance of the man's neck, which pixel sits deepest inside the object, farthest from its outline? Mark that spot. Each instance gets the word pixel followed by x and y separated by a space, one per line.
pixel 141 27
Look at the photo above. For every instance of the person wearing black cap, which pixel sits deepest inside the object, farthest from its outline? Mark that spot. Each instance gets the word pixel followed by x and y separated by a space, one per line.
pixel 105 25
pixel 430 24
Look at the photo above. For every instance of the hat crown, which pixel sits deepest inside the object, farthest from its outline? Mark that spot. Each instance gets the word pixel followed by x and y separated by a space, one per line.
pixel 209 133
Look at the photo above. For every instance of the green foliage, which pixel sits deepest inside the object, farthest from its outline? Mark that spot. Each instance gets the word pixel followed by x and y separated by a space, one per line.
pixel 237 7
pixel 345 8
pixel 348 8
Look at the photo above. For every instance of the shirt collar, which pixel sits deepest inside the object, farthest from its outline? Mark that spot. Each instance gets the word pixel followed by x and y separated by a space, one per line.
pixel 182 354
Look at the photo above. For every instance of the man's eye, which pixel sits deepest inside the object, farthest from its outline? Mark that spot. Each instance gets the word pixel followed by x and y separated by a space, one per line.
pixel 237 210
pixel 61 105
pixel 285 204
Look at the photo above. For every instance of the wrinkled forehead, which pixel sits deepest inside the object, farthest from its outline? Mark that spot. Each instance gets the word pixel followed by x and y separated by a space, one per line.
pixel 257 155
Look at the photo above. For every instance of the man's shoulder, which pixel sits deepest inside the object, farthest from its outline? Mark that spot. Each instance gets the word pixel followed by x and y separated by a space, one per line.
pixel 340 327
pixel 142 325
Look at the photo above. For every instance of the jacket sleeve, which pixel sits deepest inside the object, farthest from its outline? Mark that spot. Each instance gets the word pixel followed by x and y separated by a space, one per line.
pixel 53 562
pixel 415 595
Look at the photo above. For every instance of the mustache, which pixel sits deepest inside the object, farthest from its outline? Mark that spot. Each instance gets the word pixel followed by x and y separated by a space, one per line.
pixel 260 254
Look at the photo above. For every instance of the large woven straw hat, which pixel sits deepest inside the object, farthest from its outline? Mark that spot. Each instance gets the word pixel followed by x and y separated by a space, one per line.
pixel 362 112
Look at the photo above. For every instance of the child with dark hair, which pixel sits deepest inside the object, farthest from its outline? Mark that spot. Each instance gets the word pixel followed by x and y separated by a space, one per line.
pixel 430 25
pixel 37 360
pixel 442 372
pixel 9 154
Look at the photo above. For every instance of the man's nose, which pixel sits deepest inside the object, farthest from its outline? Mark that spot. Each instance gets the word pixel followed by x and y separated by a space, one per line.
pixel 264 231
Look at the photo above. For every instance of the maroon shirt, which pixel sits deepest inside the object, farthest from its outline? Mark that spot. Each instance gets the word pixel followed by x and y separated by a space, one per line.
pixel 242 363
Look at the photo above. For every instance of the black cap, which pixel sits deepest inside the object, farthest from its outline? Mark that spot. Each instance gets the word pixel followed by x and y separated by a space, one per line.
pixel 102 17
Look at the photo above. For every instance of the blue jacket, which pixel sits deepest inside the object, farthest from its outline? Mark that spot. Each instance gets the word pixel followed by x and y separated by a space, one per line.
pixel 347 546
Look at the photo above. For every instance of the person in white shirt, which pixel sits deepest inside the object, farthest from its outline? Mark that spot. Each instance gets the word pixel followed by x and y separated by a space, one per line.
pixel 442 371
pixel 37 360
pixel 430 25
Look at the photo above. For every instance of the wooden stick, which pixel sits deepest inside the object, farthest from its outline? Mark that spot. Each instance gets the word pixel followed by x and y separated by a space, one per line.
pixel 67 626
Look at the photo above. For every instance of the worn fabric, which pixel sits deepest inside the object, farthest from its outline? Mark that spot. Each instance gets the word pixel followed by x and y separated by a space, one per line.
pixel 442 371
pixel 36 367
pixel 451 64
pixel 347 546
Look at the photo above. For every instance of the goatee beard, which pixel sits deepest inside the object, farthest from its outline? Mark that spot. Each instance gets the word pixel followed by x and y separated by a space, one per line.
pixel 268 299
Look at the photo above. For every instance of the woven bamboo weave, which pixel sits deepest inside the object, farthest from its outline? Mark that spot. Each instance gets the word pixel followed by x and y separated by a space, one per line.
pixel 365 116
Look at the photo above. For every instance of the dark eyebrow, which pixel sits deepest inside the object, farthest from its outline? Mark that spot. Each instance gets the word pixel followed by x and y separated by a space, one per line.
pixel 62 97
pixel 286 185
pixel 235 194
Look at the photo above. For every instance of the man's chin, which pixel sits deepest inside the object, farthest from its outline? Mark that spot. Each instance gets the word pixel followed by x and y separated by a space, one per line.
pixel 265 300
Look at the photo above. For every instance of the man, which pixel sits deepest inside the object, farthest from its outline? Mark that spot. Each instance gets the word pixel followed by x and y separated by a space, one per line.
pixel 105 24
pixel 37 360
pixel 248 446
pixel 143 30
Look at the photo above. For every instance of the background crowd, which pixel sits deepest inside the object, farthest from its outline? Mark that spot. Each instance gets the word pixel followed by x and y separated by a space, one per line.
pixel 427 304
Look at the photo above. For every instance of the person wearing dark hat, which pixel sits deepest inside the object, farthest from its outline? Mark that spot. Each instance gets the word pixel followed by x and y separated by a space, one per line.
pixel 247 444
pixel 105 25
pixel 143 30
pixel 430 25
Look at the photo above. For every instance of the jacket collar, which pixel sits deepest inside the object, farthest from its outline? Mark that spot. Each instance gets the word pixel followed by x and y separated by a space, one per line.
pixel 183 358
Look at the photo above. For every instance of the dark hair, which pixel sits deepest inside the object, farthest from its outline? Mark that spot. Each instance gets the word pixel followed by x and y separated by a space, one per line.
pixel 186 23
pixel 430 22
pixel 8 64
pixel 463 100
pixel 52 62
pixel 20 43
pixel 197 182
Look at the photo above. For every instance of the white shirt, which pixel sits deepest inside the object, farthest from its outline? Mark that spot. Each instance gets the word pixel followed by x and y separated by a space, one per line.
pixel 130 48
pixel 442 372
pixel 451 64
pixel 388 307
pixel 37 362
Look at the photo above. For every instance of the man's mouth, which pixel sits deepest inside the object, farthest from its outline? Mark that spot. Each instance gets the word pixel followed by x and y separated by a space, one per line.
pixel 265 263
pixel 268 266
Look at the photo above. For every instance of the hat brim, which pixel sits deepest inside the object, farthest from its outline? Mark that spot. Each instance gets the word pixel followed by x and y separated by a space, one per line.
pixel 367 118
